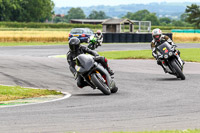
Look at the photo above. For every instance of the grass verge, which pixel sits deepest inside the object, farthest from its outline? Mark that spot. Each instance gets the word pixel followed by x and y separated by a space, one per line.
pixel 16 92
pixel 31 43
pixel 191 55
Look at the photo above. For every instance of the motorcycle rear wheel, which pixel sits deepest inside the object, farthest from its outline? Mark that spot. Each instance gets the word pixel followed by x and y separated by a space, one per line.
pixel 114 90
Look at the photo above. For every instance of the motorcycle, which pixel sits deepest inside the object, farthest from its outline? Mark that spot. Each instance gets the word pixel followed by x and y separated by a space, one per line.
pixel 170 60
pixel 95 74
pixel 93 43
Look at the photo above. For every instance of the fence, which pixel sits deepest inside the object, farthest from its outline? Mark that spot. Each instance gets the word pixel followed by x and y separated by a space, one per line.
pixel 129 37
pixel 186 31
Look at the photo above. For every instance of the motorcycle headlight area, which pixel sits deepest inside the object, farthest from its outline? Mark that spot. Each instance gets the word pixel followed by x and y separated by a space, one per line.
pixel 170 53
pixel 166 56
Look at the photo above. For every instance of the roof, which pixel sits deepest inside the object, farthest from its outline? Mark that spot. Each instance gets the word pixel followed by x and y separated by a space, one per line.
pixel 117 21
pixel 88 20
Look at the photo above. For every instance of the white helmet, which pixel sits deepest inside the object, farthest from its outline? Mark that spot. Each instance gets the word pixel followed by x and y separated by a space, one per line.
pixel 99 32
pixel 156 34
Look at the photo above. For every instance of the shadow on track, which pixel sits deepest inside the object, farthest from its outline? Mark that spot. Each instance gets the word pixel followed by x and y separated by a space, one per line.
pixel 90 94
pixel 168 79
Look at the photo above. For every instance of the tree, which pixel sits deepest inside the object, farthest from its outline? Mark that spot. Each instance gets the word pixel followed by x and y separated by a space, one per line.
pixel 143 15
pixel 193 15
pixel 183 17
pixel 153 18
pixel 139 15
pixel 36 10
pixel 97 15
pixel 26 10
pixel 75 13
pixel 5 10
pixel 178 23
pixel 165 20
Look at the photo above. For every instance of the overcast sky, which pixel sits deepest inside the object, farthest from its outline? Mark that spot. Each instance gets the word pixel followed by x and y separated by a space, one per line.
pixel 81 3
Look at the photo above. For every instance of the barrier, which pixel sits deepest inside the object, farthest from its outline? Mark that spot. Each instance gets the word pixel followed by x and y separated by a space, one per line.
pixel 129 37
pixel 185 30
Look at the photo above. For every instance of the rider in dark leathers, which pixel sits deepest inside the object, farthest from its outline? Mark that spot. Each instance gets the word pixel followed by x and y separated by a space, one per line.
pixel 76 49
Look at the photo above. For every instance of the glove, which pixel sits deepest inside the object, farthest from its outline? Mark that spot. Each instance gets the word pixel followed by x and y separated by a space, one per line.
pixel 173 47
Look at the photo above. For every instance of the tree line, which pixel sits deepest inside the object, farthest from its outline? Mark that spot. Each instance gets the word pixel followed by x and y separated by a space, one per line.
pixel 78 13
pixel 191 17
pixel 42 10
pixel 26 10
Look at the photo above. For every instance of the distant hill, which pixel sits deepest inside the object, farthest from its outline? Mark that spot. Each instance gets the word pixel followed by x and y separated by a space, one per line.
pixel 172 10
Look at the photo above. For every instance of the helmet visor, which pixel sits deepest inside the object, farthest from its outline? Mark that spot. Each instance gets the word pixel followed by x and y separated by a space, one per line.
pixel 157 37
pixel 74 47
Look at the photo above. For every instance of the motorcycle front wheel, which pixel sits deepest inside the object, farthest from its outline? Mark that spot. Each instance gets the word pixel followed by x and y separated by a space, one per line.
pixel 178 70
pixel 100 84
pixel 91 46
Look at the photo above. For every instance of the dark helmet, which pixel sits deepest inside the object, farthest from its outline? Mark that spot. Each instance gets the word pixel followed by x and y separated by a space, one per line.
pixel 74 44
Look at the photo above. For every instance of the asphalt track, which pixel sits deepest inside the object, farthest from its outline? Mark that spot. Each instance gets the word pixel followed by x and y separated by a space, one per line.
pixel 148 99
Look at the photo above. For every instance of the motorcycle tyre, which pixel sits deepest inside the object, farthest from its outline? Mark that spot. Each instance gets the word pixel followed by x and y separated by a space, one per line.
pixel 90 46
pixel 178 70
pixel 101 86
pixel 114 90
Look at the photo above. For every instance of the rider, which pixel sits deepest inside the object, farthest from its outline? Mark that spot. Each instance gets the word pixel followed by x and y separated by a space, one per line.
pixel 99 36
pixel 76 49
pixel 159 38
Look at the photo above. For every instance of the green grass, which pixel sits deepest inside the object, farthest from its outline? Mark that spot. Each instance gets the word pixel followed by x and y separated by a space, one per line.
pixel 137 54
pixel 16 92
pixel 191 55
pixel 31 43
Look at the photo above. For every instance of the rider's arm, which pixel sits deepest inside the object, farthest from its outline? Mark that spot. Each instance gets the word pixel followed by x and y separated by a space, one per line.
pixel 169 40
pixel 71 64
pixel 101 38
pixel 89 51
pixel 153 48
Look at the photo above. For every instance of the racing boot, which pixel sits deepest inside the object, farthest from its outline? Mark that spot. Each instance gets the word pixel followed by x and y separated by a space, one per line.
pixel 183 62
pixel 110 71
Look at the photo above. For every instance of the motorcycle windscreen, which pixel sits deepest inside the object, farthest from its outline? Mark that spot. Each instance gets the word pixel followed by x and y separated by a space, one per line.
pixel 164 47
pixel 85 61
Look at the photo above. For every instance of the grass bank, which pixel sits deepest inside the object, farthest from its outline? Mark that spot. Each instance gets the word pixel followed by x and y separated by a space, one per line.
pixel 192 55
pixel 16 92
pixel 31 43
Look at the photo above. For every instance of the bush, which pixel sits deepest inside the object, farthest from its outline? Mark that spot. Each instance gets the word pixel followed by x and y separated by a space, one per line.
pixel 170 27
pixel 46 25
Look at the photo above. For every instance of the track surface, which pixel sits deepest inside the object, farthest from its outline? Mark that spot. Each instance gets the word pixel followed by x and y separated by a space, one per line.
pixel 148 99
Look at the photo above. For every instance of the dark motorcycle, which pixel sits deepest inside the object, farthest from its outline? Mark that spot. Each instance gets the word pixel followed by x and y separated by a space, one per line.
pixel 95 74
pixel 170 60
pixel 93 43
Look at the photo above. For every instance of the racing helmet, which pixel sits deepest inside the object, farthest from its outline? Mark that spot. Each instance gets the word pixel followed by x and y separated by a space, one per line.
pixel 98 32
pixel 156 34
pixel 74 44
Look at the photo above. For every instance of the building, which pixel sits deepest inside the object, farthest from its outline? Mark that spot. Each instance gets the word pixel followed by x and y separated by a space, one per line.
pixel 87 21
pixel 117 25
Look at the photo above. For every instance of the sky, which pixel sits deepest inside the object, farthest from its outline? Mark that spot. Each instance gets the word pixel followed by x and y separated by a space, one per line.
pixel 86 3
